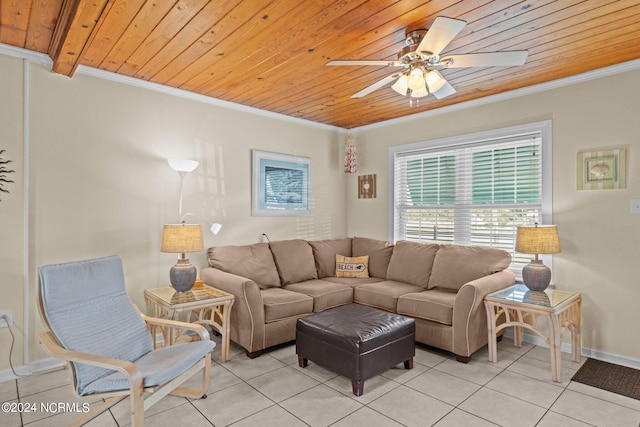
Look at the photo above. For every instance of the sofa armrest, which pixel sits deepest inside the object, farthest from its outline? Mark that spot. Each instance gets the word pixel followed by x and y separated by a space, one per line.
pixel 247 312
pixel 469 315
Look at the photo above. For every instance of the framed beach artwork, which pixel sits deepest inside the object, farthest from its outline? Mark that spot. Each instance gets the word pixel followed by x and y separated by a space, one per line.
pixel 602 169
pixel 281 184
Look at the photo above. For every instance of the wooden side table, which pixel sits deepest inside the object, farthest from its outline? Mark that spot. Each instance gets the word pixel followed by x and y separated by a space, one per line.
pixel 211 306
pixel 521 308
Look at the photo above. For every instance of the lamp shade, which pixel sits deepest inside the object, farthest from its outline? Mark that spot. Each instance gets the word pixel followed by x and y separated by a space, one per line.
pixel 182 238
pixel 538 240
pixel 182 165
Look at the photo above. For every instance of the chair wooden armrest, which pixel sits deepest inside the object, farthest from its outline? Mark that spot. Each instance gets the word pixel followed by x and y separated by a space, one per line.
pixel 54 349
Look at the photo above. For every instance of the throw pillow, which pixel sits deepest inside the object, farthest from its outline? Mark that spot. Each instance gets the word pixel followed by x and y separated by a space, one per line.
pixel 352 266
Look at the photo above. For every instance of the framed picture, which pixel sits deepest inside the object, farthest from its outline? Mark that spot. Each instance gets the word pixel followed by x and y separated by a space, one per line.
pixel 367 186
pixel 602 170
pixel 281 184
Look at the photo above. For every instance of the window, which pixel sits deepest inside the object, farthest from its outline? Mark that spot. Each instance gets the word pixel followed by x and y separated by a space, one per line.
pixel 474 189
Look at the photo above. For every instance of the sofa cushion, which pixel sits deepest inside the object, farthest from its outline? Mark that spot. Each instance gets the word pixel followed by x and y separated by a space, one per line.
pixel 435 305
pixel 324 253
pixel 294 260
pixel 254 262
pixel 352 266
pixel 353 281
pixel 411 262
pixel 383 295
pixel 456 265
pixel 379 252
pixel 325 294
pixel 281 304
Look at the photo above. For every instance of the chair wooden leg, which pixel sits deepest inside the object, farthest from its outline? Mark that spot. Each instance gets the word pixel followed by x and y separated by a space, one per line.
pixel 201 393
pixel 137 409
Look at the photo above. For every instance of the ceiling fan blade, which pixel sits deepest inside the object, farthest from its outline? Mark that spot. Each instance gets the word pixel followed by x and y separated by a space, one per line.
pixel 440 34
pixel 444 91
pixel 377 85
pixel 366 62
pixel 490 59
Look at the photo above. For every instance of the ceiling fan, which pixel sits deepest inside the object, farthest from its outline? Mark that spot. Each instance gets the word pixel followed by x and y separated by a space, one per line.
pixel 421 60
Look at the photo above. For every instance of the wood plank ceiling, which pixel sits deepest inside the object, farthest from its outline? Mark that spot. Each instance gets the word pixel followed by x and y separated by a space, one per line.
pixel 271 54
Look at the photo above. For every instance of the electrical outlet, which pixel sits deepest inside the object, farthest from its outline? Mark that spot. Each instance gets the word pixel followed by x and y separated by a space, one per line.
pixel 6 318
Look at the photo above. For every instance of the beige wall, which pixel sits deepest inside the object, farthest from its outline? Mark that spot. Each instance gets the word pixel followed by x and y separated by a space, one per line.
pixel 100 183
pixel 599 236
pixel 11 217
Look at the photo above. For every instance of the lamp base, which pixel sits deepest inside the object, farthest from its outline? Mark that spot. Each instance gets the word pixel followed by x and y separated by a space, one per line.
pixel 182 275
pixel 536 276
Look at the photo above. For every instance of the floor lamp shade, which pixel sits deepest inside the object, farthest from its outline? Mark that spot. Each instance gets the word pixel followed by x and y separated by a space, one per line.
pixel 182 238
pixel 537 240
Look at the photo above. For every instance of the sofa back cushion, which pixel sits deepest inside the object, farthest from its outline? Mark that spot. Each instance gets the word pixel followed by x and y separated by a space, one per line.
pixel 456 265
pixel 294 260
pixel 379 252
pixel 324 253
pixel 254 262
pixel 411 262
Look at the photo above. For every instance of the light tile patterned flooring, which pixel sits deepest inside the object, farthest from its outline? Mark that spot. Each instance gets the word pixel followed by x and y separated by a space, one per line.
pixel 273 391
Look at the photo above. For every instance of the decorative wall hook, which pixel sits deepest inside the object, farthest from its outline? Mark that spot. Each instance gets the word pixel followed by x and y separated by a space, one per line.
pixel 4 173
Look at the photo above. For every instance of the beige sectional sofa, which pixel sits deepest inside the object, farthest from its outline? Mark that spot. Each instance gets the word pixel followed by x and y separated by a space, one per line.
pixel 440 286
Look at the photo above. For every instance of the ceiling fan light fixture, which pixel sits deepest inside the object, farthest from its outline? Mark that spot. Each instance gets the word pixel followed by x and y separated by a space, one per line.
pixel 401 85
pixel 435 81
pixel 415 79
pixel 419 93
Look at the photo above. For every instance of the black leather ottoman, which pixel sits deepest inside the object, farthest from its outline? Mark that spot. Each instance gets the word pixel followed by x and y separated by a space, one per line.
pixel 356 341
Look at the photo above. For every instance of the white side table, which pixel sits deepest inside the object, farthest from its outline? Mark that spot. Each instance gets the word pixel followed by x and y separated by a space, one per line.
pixel 210 305
pixel 521 307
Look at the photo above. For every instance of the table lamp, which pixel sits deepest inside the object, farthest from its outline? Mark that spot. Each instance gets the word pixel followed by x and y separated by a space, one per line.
pixel 537 240
pixel 182 238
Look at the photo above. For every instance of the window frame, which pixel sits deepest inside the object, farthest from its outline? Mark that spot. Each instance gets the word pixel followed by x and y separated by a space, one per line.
pixel 484 137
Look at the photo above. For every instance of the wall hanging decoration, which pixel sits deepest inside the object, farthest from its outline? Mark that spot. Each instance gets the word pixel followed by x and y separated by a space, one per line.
pixel 281 184
pixel 350 160
pixel 4 173
pixel 602 169
pixel 367 186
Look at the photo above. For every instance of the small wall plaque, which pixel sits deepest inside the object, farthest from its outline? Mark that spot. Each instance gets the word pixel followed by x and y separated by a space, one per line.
pixel 367 186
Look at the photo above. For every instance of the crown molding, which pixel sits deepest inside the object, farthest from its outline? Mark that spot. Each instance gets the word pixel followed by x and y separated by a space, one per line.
pixel 17 52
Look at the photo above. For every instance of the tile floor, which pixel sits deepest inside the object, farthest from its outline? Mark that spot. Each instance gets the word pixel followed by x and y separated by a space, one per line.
pixel 273 391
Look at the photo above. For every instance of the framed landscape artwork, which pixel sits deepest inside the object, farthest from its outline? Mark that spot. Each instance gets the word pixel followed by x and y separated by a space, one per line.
pixel 281 184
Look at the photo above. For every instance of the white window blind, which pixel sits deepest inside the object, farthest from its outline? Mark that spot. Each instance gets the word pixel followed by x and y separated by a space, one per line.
pixel 475 193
